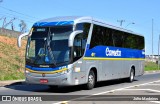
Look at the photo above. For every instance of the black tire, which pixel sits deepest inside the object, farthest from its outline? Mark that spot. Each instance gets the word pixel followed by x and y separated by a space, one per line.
pixel 53 87
pixel 132 74
pixel 91 80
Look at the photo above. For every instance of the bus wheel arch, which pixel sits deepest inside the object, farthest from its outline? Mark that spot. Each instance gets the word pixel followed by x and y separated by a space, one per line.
pixel 92 78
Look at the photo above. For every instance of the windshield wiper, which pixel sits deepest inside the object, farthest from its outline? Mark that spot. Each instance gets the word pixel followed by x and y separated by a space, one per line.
pixel 51 55
pixel 49 39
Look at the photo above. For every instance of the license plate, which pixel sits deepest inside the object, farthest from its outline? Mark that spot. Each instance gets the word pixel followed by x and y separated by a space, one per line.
pixel 43 81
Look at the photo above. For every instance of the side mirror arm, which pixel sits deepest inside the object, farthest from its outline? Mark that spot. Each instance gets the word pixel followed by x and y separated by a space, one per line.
pixel 72 36
pixel 20 38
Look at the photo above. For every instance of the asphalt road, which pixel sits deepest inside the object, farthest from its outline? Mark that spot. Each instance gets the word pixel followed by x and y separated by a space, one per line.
pixel 148 84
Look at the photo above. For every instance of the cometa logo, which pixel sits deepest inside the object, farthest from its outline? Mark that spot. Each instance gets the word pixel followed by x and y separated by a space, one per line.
pixel 113 52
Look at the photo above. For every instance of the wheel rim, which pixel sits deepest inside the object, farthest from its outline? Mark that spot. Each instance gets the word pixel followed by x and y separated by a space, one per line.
pixel 91 79
pixel 132 75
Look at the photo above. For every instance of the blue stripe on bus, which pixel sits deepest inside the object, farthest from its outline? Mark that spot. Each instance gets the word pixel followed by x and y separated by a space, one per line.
pixel 58 23
pixel 45 69
pixel 113 52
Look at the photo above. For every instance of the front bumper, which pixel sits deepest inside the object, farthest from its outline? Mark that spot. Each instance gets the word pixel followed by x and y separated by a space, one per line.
pixel 58 77
pixel 64 79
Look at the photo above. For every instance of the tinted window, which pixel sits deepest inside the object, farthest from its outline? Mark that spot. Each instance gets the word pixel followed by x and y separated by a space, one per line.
pixel 101 36
pixel 85 27
pixel 117 38
pixel 110 37
pixel 133 41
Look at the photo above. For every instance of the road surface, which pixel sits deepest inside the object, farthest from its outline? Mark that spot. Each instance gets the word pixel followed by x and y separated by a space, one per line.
pixel 148 84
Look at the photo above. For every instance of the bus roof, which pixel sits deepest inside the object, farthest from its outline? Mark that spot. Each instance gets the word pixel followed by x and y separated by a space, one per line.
pixel 71 20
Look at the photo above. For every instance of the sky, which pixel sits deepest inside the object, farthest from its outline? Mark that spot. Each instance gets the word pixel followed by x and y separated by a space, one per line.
pixel 140 12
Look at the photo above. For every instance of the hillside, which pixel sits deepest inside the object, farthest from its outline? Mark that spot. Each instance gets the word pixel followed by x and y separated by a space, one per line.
pixel 11 58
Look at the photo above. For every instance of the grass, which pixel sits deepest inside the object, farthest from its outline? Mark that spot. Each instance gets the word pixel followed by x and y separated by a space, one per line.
pixel 11 59
pixel 10 70
pixel 149 66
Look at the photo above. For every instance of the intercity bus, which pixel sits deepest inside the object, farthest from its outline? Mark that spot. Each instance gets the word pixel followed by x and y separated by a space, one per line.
pixel 67 51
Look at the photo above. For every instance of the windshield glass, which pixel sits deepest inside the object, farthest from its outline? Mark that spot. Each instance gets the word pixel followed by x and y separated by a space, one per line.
pixel 49 46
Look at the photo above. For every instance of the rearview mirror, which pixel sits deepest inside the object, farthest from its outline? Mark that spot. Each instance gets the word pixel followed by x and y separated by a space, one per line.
pixel 72 36
pixel 20 39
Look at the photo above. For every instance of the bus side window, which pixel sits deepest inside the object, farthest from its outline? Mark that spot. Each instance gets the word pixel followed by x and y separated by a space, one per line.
pixel 117 38
pixel 78 47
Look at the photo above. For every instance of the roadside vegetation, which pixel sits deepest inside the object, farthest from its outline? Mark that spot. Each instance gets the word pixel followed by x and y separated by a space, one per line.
pixel 149 66
pixel 11 59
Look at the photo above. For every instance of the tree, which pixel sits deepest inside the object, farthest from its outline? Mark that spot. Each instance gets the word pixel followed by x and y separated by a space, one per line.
pixel 5 24
pixel 23 26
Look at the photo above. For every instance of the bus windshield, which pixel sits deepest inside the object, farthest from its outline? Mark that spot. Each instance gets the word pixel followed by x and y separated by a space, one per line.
pixel 49 46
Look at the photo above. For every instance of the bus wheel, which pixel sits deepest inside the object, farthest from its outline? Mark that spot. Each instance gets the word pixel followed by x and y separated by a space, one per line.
pixel 131 77
pixel 91 80
pixel 53 87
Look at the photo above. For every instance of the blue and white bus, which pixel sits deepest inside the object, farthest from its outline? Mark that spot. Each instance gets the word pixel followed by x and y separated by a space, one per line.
pixel 66 51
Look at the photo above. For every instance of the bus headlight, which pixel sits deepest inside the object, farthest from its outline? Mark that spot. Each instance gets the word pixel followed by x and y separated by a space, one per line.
pixel 77 69
pixel 26 71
